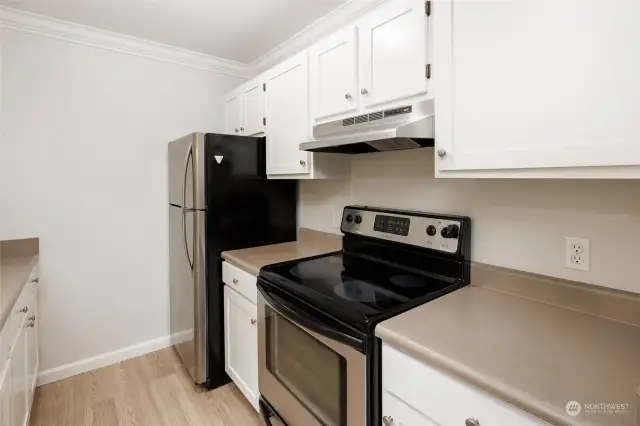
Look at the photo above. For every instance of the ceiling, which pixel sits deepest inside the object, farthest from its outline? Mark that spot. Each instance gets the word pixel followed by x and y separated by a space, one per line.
pixel 239 30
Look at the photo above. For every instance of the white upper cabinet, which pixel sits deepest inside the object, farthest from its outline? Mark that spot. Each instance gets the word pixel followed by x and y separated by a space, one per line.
pixel 233 113
pixel 244 109
pixel 393 52
pixel 253 114
pixel 379 62
pixel 287 107
pixel 334 74
pixel 540 87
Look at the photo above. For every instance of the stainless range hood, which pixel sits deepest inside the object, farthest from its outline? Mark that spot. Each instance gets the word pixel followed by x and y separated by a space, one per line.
pixel 406 127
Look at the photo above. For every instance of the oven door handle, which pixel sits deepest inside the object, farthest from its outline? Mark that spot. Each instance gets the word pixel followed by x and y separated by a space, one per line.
pixel 287 310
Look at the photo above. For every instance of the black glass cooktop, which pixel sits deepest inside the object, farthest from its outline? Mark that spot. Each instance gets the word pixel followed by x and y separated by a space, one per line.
pixel 355 290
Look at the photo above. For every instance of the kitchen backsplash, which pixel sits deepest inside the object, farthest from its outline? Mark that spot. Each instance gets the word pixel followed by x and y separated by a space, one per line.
pixel 520 224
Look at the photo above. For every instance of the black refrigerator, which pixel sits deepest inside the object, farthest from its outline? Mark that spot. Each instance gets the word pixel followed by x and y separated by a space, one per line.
pixel 219 199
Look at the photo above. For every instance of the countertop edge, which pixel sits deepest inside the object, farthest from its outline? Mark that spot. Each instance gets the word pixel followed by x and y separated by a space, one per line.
pixel 240 264
pixel 461 372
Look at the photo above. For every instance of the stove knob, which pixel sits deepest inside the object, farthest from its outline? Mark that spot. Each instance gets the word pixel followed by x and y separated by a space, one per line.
pixel 444 232
pixel 431 230
pixel 349 218
pixel 358 219
pixel 453 231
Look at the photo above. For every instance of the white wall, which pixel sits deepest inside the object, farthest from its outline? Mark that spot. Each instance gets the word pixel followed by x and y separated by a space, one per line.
pixel 84 168
pixel 518 224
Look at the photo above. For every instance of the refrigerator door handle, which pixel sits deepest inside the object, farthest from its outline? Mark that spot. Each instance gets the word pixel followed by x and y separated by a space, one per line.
pixel 186 210
pixel 186 172
pixel 186 244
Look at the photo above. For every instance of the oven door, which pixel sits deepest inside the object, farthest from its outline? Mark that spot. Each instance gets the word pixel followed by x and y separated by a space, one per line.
pixel 310 371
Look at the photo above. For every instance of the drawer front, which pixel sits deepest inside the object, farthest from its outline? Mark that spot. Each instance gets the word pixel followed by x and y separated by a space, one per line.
pixel 241 281
pixel 23 308
pixel 441 398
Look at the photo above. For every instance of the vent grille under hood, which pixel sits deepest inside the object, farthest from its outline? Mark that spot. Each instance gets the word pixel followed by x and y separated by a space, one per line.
pixel 407 127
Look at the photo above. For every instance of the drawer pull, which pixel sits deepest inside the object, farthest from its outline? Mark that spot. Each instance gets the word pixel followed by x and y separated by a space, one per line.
pixel 472 421
pixel 32 318
pixel 31 324
pixel 254 321
pixel 387 421
pixel 24 310
pixel 235 281
pixel 35 280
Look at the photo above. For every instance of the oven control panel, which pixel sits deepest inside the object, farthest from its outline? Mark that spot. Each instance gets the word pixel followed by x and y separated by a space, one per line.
pixel 434 232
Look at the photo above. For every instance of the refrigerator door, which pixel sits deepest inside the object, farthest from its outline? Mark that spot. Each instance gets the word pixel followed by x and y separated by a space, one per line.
pixel 235 157
pixel 188 298
pixel 186 172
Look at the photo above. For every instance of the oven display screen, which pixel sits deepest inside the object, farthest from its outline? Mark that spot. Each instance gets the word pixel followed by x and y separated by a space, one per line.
pixel 392 225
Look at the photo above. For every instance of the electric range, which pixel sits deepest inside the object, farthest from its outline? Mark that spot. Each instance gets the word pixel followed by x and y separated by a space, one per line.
pixel 319 359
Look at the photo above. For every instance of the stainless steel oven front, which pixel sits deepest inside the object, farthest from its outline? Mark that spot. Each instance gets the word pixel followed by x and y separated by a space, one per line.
pixel 306 373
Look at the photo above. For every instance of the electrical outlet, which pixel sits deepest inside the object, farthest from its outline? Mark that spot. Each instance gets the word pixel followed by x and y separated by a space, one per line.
pixel 577 254
pixel 337 218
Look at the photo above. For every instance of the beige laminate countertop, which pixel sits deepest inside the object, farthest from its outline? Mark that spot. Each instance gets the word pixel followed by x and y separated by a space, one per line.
pixel 17 259
pixel 533 341
pixel 309 243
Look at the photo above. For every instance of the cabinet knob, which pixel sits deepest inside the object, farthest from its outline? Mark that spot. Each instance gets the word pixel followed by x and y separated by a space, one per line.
pixel 24 310
pixel 242 129
pixel 254 321
pixel 31 324
pixel 364 91
pixel 235 281
pixel 302 162
pixel 237 130
pixel 387 421
pixel 32 318
pixel 35 280
pixel 347 95
pixel 442 153
pixel 472 421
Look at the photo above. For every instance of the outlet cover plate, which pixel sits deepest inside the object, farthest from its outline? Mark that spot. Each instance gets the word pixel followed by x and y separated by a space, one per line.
pixel 577 253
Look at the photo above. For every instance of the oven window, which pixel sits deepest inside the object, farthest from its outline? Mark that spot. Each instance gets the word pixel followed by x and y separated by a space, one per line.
pixel 313 373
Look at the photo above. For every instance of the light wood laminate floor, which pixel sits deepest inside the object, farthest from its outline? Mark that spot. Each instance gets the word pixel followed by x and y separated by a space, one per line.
pixel 152 390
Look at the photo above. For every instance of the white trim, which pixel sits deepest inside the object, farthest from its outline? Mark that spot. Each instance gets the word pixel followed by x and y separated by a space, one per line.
pixel 93 363
pixel 31 23
pixel 333 21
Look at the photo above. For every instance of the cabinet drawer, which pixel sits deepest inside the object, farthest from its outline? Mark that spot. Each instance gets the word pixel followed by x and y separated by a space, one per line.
pixel 241 281
pixel 441 398
pixel 17 318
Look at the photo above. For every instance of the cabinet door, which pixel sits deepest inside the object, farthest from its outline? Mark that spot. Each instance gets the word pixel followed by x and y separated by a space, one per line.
pixel 241 343
pixel 334 74
pixel 540 85
pixel 393 52
pixel 6 394
pixel 32 354
pixel 19 380
pixel 288 117
pixel 398 412
pixel 254 115
pixel 233 112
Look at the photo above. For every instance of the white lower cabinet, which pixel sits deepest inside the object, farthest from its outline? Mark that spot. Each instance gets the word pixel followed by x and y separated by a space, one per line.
pixel 415 394
pixel 241 343
pixel 19 365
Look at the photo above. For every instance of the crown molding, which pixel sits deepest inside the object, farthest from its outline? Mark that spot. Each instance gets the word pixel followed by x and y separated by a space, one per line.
pixel 31 23
pixel 333 21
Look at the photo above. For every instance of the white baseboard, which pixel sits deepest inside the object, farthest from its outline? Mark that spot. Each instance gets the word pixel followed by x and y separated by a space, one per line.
pixel 93 363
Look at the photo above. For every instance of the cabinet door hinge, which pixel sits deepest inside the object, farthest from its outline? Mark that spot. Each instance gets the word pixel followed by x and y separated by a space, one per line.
pixel 264 121
pixel 427 8
pixel 428 71
pixel 264 87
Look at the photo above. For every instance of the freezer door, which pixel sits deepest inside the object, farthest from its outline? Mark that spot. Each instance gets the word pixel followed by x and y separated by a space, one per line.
pixel 187 275
pixel 186 172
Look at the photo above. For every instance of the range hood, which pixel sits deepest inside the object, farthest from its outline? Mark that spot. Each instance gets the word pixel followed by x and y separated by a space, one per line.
pixel 406 127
